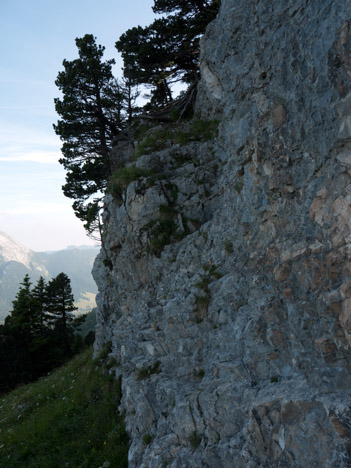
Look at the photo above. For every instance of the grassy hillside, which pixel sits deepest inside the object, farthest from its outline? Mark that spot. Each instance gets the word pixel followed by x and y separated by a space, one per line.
pixel 68 419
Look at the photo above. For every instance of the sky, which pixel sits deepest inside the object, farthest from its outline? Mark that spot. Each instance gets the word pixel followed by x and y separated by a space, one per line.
pixel 35 37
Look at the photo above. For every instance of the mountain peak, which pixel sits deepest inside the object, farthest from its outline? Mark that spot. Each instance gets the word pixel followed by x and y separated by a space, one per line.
pixel 12 251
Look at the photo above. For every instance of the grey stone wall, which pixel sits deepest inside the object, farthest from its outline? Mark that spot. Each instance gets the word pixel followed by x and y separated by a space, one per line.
pixel 234 341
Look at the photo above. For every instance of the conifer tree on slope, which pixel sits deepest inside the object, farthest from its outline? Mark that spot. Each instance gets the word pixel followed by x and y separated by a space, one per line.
pixel 15 340
pixel 26 318
pixel 21 317
pixel 34 341
pixel 23 335
pixel 39 305
pixel 91 116
pixel 60 305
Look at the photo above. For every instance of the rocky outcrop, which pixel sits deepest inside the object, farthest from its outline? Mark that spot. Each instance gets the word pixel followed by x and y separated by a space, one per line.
pixel 225 283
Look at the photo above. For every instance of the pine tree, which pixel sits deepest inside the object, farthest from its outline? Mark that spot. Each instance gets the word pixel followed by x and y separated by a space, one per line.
pixel 22 335
pixel 38 334
pixel 22 317
pixel 39 298
pixel 130 93
pixel 146 59
pixel 91 112
pixel 167 50
pixel 60 306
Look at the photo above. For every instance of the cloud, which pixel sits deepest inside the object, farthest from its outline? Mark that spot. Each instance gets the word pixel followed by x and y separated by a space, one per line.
pixel 43 157
pixel 17 136
pixel 11 79
pixel 40 233
pixel 26 144
pixel 30 208
pixel 22 112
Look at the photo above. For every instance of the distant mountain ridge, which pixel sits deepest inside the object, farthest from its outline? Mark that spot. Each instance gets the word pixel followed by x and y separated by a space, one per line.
pixel 12 251
pixel 17 260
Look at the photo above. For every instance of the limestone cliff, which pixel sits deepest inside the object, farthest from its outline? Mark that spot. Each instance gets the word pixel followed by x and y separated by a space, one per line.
pixel 225 283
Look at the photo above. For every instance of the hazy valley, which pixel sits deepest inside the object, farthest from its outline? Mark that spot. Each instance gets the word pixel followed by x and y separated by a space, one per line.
pixel 16 261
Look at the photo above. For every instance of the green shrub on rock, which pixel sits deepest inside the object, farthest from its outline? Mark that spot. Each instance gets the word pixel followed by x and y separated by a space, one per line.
pixel 121 178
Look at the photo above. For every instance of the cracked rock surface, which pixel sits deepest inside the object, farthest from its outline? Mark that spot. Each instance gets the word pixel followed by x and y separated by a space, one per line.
pixel 233 336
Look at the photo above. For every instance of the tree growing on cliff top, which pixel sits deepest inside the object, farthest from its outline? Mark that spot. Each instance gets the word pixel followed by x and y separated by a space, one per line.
pixel 91 112
pixel 95 107
pixel 167 50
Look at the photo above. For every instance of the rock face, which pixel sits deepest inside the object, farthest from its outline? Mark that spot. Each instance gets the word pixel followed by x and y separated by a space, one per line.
pixel 234 340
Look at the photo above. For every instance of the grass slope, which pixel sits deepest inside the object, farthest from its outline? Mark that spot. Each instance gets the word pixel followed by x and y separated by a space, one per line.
pixel 68 419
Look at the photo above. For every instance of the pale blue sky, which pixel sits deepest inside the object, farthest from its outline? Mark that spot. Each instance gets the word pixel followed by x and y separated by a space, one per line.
pixel 35 36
